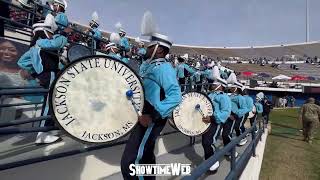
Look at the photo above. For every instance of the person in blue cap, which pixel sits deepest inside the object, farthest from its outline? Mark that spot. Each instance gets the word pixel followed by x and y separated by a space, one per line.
pixel 162 95
pixel 222 111
pixel 239 107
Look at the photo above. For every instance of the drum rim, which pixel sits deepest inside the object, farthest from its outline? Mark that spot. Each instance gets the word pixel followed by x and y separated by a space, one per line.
pixel 76 44
pixel 193 91
pixel 53 116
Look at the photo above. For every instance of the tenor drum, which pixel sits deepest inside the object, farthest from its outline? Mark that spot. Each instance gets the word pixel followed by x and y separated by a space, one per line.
pixel 187 117
pixel 77 51
pixel 253 112
pixel 89 99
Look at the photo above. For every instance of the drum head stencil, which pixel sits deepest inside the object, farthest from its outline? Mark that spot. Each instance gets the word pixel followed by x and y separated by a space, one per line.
pixel 188 115
pixel 89 99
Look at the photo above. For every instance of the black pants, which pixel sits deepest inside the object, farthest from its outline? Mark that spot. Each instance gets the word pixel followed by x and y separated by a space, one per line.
pixel 209 139
pixel 228 127
pixel 242 128
pixel 238 124
pixel 46 79
pixel 266 118
pixel 140 146
pixel 182 82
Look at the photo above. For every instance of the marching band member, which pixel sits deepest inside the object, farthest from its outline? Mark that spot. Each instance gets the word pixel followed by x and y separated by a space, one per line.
pixel 222 110
pixel 124 42
pixel 259 107
pixel 239 107
pixel 94 31
pixel 59 7
pixel 162 93
pixel 142 51
pixel 183 70
pixel 112 48
pixel 41 62
pixel 197 77
pixel 249 105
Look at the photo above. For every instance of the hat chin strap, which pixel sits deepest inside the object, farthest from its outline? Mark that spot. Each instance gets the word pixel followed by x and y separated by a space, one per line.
pixel 153 53
pixel 46 33
pixel 217 87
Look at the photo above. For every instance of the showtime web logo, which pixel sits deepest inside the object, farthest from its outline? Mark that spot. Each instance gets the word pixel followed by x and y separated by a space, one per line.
pixel 173 169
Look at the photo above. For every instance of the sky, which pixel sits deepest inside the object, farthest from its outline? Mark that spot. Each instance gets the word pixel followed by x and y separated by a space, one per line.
pixel 214 23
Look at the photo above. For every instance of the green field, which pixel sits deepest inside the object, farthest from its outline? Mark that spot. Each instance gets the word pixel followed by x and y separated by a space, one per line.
pixel 286 155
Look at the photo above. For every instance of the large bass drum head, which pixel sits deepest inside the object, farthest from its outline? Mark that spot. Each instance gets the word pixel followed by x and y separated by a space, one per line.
pixel 89 99
pixel 78 51
pixel 187 118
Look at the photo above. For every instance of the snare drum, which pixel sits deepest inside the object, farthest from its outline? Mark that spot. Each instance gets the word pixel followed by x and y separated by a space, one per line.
pixel 187 117
pixel 89 99
pixel 77 51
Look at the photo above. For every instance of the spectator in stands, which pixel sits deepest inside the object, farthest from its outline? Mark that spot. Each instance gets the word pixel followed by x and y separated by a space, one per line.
pixel 267 107
pixel 310 117
pixel 4 12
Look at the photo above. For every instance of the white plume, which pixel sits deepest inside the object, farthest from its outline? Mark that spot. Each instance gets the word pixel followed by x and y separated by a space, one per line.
pixel 114 38
pixel 216 72
pixel 148 26
pixel 118 26
pixel 95 16
pixel 232 79
pixel 137 39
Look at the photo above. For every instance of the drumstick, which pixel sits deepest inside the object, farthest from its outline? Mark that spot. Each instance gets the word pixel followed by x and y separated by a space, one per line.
pixel 198 108
pixel 129 95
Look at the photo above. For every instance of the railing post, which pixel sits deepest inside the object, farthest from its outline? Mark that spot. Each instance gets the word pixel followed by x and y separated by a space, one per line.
pixel 253 144
pixel 233 159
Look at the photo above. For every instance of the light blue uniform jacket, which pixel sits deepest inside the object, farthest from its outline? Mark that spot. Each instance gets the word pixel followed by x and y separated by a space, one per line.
pixel 222 106
pixel 238 105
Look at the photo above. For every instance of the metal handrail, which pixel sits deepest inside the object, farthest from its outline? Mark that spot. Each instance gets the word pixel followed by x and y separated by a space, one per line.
pixel 25 121
pixel 203 167
pixel 19 104
pixel 23 91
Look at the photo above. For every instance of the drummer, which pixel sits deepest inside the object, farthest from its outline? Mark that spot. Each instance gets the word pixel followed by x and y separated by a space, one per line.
pixel 162 93
pixel 249 105
pixel 40 64
pixel 222 111
pixel 239 107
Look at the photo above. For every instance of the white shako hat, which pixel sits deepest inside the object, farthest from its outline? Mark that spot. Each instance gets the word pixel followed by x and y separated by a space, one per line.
pixel 260 96
pixel 49 25
pixel 62 3
pixel 217 78
pixel 232 81
pixel 95 18
pixel 114 41
pixel 160 39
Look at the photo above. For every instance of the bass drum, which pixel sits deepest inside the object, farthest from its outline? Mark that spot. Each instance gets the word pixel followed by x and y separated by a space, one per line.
pixel 253 112
pixel 187 117
pixel 78 51
pixel 89 99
